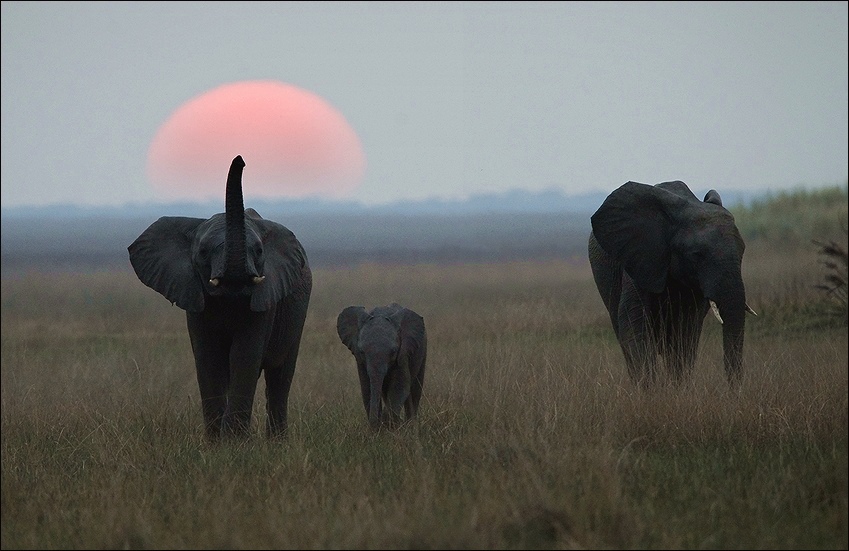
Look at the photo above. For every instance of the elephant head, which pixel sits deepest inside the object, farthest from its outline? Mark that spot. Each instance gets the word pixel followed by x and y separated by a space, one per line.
pixel 230 255
pixel 680 256
pixel 390 347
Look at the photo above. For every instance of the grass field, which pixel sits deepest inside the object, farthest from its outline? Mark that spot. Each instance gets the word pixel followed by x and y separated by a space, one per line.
pixel 530 434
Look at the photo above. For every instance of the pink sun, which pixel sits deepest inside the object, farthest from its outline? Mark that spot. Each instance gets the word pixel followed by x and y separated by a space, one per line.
pixel 293 142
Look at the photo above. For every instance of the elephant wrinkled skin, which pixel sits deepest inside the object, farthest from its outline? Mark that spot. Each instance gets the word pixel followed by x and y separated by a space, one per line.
pixel 660 259
pixel 390 347
pixel 245 285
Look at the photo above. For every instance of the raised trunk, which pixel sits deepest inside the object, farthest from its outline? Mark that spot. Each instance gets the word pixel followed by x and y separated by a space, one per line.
pixel 235 264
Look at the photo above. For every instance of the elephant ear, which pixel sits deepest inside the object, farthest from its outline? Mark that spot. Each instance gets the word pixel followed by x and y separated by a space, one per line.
pixel 412 332
pixel 162 259
pixel 285 261
pixel 348 326
pixel 678 188
pixel 634 226
pixel 712 196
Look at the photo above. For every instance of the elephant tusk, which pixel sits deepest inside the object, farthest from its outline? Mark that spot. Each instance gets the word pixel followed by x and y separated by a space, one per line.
pixel 749 310
pixel 214 282
pixel 258 279
pixel 715 311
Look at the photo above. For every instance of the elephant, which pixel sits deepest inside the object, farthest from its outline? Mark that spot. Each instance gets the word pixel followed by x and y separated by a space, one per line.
pixel 245 285
pixel 661 258
pixel 390 347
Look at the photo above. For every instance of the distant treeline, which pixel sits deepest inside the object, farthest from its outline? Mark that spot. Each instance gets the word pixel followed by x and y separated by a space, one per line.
pixel 97 242
pixel 796 217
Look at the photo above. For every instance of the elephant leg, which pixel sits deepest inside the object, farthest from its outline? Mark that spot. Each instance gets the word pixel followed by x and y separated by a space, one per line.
pixel 397 394
pixel 365 384
pixel 641 362
pixel 244 372
pixel 416 389
pixel 680 351
pixel 212 383
pixel 689 351
pixel 411 405
pixel 212 369
pixel 607 275
pixel 690 346
pixel 637 337
pixel 247 355
pixel 278 379
pixel 376 409
pixel 683 330
pixel 277 385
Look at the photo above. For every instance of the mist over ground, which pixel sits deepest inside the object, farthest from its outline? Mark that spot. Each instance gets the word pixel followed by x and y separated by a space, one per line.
pixel 517 225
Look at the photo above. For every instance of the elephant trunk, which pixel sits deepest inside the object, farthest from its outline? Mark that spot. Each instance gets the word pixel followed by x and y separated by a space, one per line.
pixel 733 312
pixel 235 255
pixel 375 406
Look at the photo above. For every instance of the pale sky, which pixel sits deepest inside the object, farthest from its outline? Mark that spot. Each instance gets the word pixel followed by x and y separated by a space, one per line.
pixel 448 99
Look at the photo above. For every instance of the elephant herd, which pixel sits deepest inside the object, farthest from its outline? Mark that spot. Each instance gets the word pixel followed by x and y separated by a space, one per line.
pixel 660 257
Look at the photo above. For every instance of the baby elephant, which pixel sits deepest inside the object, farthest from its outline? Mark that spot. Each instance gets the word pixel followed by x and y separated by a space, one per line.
pixel 390 345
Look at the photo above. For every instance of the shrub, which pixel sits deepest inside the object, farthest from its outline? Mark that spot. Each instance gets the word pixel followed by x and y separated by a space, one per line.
pixel 836 261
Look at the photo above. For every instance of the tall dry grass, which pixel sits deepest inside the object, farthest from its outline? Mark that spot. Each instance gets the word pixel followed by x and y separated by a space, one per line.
pixel 530 434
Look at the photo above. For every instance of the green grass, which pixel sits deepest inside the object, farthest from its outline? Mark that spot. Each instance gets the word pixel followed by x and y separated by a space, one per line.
pixel 795 217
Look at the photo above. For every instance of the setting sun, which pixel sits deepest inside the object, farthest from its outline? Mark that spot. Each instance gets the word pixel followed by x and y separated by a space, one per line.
pixel 294 143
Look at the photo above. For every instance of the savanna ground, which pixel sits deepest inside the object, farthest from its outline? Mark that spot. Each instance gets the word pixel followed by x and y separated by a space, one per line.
pixel 530 434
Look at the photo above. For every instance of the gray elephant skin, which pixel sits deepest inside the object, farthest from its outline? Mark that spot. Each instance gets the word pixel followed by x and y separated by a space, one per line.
pixel 389 344
pixel 660 258
pixel 245 285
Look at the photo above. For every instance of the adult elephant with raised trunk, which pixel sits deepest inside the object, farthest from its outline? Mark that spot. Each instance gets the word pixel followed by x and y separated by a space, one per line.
pixel 661 258
pixel 245 285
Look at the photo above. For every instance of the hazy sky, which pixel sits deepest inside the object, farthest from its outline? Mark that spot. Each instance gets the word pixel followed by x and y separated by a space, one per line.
pixel 448 99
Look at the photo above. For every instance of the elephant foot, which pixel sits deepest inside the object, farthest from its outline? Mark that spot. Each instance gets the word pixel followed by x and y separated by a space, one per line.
pixel 236 429
pixel 277 431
